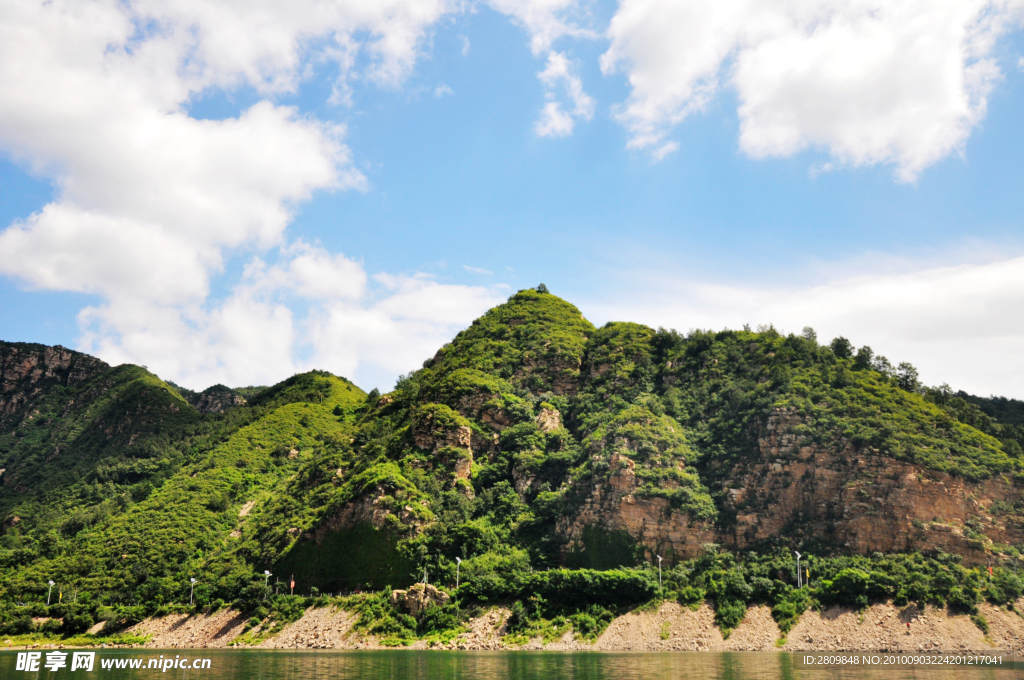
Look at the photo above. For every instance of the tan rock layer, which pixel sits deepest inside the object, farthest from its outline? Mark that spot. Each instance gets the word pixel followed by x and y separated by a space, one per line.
pixel 201 630
pixel 881 627
pixel 861 499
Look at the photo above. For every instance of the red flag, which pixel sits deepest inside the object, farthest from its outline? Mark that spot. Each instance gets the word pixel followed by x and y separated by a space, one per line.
pixel 990 571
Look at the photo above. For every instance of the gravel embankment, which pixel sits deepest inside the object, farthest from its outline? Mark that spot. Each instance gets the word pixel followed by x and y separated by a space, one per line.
pixel 485 632
pixel 182 630
pixel 324 628
pixel 883 627
pixel 880 627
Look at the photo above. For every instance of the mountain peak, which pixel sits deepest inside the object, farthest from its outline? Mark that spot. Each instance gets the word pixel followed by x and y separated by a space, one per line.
pixel 535 341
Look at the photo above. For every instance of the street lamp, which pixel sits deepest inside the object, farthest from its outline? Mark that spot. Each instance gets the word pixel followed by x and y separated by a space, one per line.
pixel 191 590
pixel 659 571
pixel 799 577
pixel 458 564
pixel 52 584
pixel 266 582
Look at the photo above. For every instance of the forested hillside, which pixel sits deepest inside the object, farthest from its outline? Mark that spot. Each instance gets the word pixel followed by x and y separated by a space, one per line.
pixel 556 460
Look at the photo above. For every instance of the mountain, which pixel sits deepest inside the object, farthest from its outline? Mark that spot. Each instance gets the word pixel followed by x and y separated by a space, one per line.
pixel 533 446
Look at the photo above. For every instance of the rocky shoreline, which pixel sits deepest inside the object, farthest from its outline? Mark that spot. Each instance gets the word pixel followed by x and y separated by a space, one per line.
pixel 881 627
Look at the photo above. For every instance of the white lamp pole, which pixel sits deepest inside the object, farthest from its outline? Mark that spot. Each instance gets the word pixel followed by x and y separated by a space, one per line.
pixel 458 565
pixel 659 571
pixel 266 582
pixel 799 577
pixel 191 590
pixel 52 584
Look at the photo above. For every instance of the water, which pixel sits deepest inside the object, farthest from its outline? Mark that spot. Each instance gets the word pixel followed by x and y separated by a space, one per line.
pixel 436 665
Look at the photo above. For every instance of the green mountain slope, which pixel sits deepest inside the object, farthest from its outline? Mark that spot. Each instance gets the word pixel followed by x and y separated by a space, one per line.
pixel 531 443
pixel 76 434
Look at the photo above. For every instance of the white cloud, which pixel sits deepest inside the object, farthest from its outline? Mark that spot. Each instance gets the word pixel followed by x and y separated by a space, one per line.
pixel 957 324
pixel 368 330
pixel 870 81
pixel 546 21
pixel 554 121
pixel 442 90
pixel 476 270
pixel 414 316
pixel 1020 64
pixel 150 202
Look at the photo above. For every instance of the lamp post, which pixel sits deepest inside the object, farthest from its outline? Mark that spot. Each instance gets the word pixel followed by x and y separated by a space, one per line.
pixel 458 565
pixel 799 577
pixel 52 584
pixel 191 590
pixel 659 571
pixel 266 583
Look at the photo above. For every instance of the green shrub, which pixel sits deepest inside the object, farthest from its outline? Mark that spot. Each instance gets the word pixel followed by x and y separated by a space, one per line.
pixel 439 619
pixel 589 624
pixel 77 621
pixel 20 625
pixel 850 586
pixel 691 596
pixel 51 627
pixel 728 614
pixel 787 611
pixel 963 599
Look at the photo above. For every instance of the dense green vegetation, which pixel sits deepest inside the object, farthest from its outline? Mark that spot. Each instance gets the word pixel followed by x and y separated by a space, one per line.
pixel 117 488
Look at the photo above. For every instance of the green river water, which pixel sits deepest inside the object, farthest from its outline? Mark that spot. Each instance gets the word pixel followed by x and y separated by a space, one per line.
pixel 436 665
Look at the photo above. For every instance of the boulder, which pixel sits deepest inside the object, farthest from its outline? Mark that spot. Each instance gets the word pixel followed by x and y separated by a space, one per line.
pixel 418 598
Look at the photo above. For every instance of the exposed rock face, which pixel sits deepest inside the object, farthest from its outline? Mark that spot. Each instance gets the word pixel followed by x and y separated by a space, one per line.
pixel 659 528
pixel 366 509
pixel 24 367
pixel 430 435
pixel 463 466
pixel 549 419
pixel 217 399
pixel 861 499
pixel 419 597
pixel 22 362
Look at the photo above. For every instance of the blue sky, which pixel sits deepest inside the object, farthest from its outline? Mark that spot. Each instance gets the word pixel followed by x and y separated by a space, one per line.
pixel 407 189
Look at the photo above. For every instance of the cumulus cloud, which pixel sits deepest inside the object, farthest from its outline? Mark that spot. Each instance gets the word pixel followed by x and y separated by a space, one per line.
pixel 957 324
pixel 554 121
pixel 150 202
pixel 900 82
pixel 310 309
pixel 408 321
pixel 546 21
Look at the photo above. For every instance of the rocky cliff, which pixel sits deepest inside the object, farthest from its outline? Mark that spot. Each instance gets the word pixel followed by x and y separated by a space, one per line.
pixel 622 444
pixel 856 499
pixel 28 369
pixel 530 444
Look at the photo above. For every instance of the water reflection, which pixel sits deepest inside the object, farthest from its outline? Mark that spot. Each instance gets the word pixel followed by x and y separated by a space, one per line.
pixel 428 665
